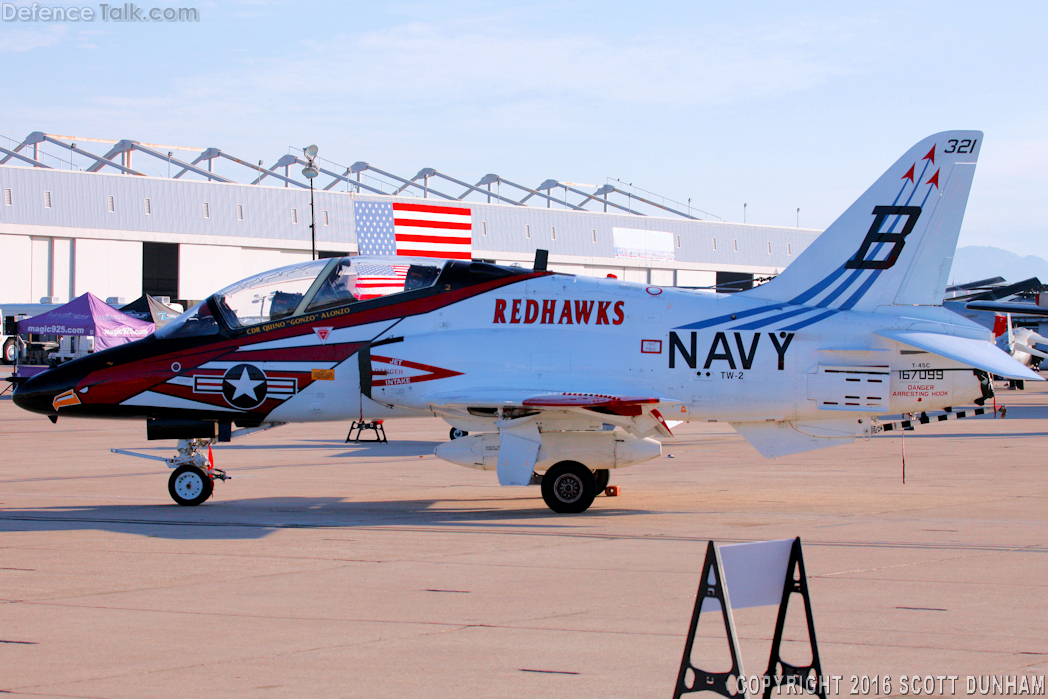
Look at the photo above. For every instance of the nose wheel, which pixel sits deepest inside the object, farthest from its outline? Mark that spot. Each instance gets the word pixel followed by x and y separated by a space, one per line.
pixel 189 485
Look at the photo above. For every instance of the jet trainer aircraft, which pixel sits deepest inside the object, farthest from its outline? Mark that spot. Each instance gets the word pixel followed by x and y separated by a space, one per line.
pixel 541 363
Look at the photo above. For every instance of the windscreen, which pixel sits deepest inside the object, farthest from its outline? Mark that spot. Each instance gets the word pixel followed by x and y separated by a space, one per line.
pixel 196 322
pixel 268 296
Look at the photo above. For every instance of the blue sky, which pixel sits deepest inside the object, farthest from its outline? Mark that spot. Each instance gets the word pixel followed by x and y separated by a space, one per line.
pixel 779 105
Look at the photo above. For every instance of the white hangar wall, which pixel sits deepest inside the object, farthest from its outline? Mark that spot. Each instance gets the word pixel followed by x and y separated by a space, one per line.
pixel 63 233
pixel 204 269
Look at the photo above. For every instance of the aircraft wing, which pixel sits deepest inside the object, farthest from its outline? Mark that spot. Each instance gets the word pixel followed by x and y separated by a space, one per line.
pixel 519 436
pixel 638 414
pixel 1022 309
pixel 977 353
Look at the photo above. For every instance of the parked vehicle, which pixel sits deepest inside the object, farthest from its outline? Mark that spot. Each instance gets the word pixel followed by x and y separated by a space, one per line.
pixel 33 349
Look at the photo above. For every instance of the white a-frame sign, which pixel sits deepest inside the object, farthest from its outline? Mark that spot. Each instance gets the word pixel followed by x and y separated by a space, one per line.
pixel 757 574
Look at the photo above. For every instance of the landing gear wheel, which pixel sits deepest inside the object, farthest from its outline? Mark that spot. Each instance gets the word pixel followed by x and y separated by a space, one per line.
pixel 569 487
pixel 456 433
pixel 189 485
pixel 603 476
pixel 9 351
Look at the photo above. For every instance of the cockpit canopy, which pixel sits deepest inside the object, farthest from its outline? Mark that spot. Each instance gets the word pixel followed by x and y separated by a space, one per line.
pixel 321 284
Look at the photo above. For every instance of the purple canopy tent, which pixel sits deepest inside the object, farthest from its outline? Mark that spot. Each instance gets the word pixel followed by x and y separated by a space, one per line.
pixel 88 315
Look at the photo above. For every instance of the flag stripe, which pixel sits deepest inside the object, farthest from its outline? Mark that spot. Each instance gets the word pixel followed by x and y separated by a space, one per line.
pixel 425 230
pixel 422 216
pixel 429 208
pixel 443 254
pixel 435 246
pixel 446 239
pixel 417 223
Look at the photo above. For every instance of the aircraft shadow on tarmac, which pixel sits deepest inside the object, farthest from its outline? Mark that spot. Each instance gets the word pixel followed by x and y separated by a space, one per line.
pixel 1025 412
pixel 400 447
pixel 259 517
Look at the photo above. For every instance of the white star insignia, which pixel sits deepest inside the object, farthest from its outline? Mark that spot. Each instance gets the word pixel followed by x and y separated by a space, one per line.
pixel 244 386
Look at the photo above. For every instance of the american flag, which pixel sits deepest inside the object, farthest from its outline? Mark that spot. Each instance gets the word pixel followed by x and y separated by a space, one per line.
pixel 379 280
pixel 417 230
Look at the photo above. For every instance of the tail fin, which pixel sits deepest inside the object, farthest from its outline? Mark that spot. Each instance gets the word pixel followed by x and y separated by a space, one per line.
pixel 895 245
pixel 1001 325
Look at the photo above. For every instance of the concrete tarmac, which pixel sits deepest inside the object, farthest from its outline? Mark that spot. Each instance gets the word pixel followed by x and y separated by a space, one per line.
pixel 327 569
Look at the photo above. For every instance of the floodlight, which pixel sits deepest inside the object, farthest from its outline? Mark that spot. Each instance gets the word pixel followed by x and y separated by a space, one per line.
pixel 311 151
pixel 310 172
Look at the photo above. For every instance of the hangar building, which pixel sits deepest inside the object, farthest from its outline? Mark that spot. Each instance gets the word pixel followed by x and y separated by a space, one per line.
pixel 122 218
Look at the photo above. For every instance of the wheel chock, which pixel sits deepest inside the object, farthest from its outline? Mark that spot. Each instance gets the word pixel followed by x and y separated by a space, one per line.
pixel 612 491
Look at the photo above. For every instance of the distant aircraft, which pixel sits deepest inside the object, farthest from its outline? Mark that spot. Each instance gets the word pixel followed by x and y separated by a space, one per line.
pixel 539 363
pixel 1020 343
pixel 985 300
pixel 1003 307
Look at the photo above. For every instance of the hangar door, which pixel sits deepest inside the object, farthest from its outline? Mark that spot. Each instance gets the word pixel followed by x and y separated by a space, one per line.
pixel 160 269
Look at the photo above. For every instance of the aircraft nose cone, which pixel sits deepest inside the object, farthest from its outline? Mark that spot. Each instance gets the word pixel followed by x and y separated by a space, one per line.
pixel 41 392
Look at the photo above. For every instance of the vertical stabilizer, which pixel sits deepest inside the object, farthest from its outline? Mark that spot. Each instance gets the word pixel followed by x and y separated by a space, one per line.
pixel 895 245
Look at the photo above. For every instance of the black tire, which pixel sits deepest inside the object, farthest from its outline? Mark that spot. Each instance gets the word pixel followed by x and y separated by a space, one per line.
pixel 9 351
pixel 569 487
pixel 189 485
pixel 603 476
pixel 456 433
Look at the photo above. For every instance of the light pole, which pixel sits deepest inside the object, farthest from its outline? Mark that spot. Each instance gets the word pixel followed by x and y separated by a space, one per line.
pixel 310 171
pixel 744 213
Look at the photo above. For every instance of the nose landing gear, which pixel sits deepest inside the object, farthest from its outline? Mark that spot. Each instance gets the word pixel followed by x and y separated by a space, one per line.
pixel 194 476
pixel 189 485
pixel 193 480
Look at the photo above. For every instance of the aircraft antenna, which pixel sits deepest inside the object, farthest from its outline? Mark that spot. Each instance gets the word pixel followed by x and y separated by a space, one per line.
pixel 541 257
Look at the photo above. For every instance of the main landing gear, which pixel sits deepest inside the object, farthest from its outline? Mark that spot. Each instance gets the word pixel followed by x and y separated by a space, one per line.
pixel 603 477
pixel 569 487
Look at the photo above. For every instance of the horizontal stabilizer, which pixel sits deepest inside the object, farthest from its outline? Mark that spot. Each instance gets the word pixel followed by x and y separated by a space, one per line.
pixel 977 353
pixel 1030 350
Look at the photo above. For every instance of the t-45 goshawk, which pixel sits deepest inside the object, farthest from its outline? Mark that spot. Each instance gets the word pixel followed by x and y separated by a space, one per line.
pixel 539 366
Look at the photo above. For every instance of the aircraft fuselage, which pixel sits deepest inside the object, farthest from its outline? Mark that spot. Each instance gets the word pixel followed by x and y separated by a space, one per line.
pixel 537 332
